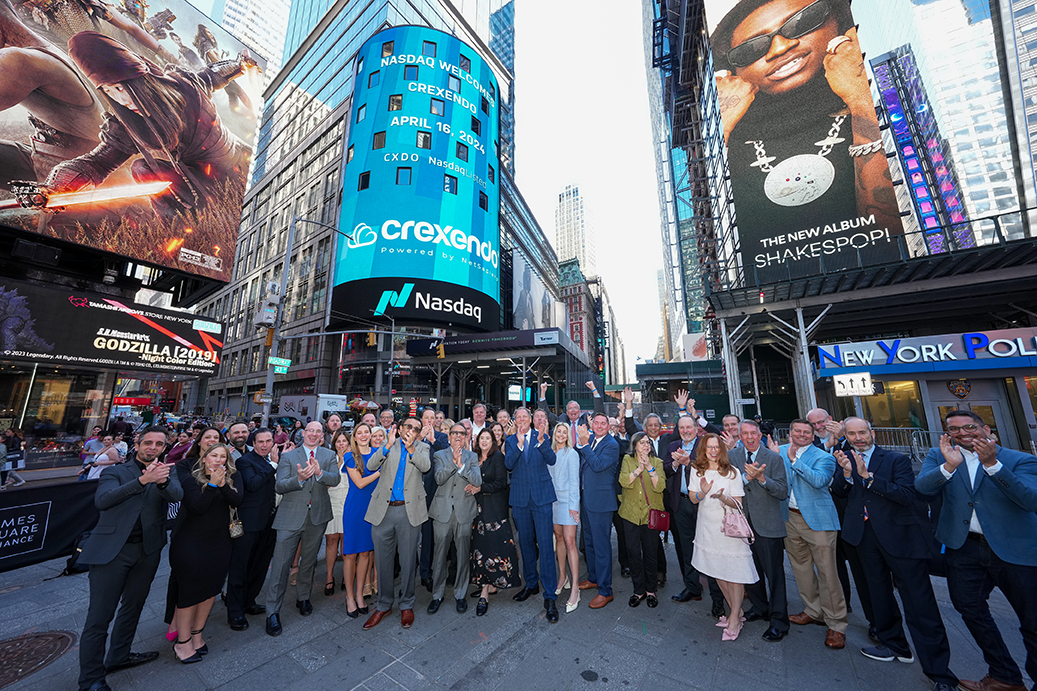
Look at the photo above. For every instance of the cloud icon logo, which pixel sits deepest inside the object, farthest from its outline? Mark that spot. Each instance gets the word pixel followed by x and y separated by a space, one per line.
pixel 363 235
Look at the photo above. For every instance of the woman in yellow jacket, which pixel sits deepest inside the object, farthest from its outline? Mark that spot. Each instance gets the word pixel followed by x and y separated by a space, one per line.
pixel 643 481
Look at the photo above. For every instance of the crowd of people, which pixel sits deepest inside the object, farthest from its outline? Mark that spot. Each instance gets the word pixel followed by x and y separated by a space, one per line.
pixel 431 501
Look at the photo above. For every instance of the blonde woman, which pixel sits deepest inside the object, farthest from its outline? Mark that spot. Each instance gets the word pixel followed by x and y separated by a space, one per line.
pixel 199 552
pixel 333 533
pixel 727 559
pixel 357 545
pixel 565 475
pixel 643 481
pixel 107 456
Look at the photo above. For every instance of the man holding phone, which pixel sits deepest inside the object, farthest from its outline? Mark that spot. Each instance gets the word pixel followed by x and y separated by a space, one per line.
pixel 123 552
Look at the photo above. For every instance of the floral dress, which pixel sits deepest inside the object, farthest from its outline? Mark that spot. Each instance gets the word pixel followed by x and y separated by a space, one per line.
pixel 494 556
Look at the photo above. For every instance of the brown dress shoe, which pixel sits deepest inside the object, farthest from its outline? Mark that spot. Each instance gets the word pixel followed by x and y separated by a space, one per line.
pixel 989 683
pixel 587 585
pixel 375 619
pixel 406 618
pixel 600 601
pixel 802 619
pixel 835 640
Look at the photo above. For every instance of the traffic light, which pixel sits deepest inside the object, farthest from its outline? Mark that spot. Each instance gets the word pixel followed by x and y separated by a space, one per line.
pixel 266 313
pixel 440 351
pixel 372 339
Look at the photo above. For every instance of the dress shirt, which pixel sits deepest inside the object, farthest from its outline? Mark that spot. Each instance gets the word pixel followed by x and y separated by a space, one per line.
pixel 397 485
pixel 311 454
pixel 792 497
pixel 688 449
pixel 866 455
pixel 748 460
pixel 972 464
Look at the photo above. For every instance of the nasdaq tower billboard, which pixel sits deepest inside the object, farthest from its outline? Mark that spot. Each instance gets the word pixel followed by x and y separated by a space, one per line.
pixel 421 196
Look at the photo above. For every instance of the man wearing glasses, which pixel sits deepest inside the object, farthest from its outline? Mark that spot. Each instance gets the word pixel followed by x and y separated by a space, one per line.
pixel 452 511
pixel 396 513
pixel 989 524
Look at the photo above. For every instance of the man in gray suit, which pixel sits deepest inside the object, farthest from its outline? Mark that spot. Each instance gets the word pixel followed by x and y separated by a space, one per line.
pixel 396 512
pixel 452 511
pixel 766 486
pixel 303 477
pixel 123 552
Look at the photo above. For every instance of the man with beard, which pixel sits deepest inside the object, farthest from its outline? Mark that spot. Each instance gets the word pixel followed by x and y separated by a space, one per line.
pixel 237 435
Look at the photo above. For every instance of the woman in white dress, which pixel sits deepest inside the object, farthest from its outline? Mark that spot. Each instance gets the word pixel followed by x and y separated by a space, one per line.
pixel 333 533
pixel 727 559
pixel 565 475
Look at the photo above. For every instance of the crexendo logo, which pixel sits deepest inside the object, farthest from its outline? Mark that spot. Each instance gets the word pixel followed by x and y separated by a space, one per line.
pixel 426 301
pixel 423 231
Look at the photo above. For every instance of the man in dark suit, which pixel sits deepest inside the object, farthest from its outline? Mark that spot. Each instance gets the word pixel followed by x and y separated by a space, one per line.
pixel 989 524
pixel 599 456
pixel 123 552
pixel 303 477
pixel 251 553
pixel 435 440
pixel 766 486
pixel 527 453
pixel 887 522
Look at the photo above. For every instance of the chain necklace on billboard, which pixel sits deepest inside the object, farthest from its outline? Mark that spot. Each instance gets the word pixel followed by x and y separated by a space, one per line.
pixel 802 178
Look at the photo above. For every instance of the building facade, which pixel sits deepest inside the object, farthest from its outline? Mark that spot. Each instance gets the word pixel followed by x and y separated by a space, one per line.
pixel 297 171
pixel 261 24
pixel 573 236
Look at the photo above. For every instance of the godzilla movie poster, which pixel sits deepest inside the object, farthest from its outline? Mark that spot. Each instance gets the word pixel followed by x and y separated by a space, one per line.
pixel 44 325
pixel 127 127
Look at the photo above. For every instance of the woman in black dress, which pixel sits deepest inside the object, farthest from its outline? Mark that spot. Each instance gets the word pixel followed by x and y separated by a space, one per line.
pixel 199 552
pixel 494 557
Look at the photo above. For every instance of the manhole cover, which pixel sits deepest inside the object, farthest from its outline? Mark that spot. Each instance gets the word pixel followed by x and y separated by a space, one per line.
pixel 24 655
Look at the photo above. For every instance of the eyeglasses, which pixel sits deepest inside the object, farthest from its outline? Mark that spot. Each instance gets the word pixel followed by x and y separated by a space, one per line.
pixel 964 428
pixel 808 19
pixel 412 427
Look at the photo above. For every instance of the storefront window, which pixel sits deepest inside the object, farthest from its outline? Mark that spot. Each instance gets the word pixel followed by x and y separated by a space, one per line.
pixel 1031 389
pixel 899 406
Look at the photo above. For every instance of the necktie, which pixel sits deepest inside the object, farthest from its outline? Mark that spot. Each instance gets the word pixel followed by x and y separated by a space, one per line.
pixel 748 457
pixel 572 430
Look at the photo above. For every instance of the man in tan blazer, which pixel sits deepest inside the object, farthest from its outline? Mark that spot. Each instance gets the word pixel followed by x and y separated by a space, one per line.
pixel 396 512
pixel 452 511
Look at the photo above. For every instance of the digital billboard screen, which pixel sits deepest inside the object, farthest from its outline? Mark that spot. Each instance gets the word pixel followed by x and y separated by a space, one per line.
pixel 421 196
pixel 130 130
pixel 811 184
pixel 44 325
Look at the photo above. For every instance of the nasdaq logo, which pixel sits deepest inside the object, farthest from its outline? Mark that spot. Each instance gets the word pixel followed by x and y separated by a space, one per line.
pixel 390 298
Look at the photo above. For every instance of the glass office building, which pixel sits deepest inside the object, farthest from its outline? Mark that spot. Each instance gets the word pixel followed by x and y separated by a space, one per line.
pixel 297 171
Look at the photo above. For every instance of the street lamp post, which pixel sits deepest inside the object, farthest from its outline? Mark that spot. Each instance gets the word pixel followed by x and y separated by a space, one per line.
pixel 269 389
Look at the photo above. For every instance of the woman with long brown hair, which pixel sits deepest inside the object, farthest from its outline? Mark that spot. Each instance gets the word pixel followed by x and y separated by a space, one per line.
pixel 494 557
pixel 357 544
pixel 727 559
pixel 170 112
pixel 199 551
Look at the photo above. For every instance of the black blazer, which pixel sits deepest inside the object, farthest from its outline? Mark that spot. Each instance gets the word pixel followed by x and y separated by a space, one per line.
pixel 259 478
pixel 493 495
pixel 121 500
pixel 896 512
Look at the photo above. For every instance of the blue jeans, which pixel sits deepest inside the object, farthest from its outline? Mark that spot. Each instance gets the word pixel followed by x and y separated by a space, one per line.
pixel 973 571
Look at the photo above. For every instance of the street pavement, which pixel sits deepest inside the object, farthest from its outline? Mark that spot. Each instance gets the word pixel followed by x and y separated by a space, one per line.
pixel 513 647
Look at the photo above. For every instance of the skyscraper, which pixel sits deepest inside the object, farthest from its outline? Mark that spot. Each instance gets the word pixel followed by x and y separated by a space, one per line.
pixel 260 24
pixel 573 239
pixel 502 43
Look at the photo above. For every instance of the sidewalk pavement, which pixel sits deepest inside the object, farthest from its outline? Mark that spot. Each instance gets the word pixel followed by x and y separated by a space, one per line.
pixel 513 647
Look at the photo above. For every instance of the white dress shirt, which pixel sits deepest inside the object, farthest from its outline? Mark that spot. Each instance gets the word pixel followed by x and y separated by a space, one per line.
pixel 972 464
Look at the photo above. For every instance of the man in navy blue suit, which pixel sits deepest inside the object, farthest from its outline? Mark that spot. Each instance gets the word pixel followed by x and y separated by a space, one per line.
pixel 599 458
pixel 887 522
pixel 527 453
pixel 989 524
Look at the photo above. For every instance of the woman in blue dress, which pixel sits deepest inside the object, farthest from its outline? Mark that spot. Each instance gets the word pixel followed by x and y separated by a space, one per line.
pixel 357 545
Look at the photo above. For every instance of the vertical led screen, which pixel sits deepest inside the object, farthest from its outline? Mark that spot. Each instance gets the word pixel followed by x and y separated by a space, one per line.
pixel 421 196
pixel 129 129
pixel 810 180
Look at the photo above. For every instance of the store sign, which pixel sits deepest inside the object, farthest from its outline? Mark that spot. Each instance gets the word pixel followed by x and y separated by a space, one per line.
pixel 480 343
pixel 45 325
pixel 174 204
pixel 129 400
pixel 810 195
pixel 421 187
pixel 977 345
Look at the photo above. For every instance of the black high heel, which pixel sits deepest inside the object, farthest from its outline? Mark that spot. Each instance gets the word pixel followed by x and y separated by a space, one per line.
pixel 195 657
pixel 204 650
pixel 363 610
pixel 329 589
pixel 352 614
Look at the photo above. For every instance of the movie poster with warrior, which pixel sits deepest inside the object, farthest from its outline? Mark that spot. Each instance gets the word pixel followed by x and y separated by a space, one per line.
pixel 127 127
pixel 811 183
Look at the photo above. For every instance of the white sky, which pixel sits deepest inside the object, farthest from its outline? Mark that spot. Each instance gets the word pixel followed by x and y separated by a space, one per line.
pixel 581 116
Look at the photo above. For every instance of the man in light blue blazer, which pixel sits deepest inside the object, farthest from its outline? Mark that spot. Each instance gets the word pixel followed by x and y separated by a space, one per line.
pixel 989 524
pixel 812 524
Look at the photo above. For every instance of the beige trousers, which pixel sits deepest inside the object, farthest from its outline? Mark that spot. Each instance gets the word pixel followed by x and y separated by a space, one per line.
pixel 820 590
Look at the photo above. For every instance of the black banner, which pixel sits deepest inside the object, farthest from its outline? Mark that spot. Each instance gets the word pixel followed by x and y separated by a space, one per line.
pixel 42 523
pixel 414 301
pixel 67 326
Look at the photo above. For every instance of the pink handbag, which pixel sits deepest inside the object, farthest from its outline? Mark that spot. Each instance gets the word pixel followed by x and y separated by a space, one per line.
pixel 735 524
